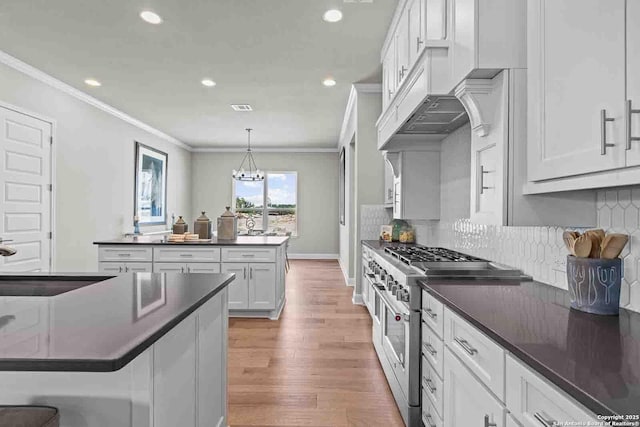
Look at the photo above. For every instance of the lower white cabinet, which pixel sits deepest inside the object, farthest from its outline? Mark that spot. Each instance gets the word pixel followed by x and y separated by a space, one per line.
pixel 535 402
pixel 467 402
pixel 254 287
pixel 126 267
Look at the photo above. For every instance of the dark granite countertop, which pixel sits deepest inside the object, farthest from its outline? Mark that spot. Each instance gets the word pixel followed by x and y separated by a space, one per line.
pixel 159 240
pixel 99 327
pixel 595 359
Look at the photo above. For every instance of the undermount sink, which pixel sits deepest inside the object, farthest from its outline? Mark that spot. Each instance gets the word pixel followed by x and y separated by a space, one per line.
pixel 44 286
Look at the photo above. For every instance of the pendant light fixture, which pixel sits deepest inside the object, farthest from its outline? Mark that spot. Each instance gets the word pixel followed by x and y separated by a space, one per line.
pixel 253 174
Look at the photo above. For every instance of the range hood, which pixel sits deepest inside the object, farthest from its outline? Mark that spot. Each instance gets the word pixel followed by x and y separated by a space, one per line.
pixel 438 115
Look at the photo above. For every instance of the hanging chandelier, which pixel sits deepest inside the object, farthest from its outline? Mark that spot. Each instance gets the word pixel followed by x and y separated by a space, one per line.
pixel 253 174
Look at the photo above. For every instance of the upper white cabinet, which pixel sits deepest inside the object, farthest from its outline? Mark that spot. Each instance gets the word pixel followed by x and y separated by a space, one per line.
pixel 401 38
pixel 576 55
pixel 632 112
pixel 389 77
pixel 416 184
pixel 487 35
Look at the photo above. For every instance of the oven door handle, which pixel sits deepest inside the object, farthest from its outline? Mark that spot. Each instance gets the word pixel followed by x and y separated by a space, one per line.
pixel 397 315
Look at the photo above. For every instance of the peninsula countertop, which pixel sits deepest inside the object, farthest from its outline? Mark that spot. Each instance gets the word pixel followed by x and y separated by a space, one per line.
pixel 594 359
pixel 99 327
pixel 159 240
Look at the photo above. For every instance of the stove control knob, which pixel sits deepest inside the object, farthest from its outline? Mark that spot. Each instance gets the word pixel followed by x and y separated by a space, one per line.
pixel 404 295
pixel 394 287
pixel 390 279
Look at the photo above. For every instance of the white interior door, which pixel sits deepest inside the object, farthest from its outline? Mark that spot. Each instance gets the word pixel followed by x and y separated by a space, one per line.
pixel 25 179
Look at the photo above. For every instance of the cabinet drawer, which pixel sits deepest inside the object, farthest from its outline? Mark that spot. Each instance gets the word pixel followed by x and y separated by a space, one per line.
pixel 203 267
pixel 184 254
pixel 432 386
pixel 533 401
pixel 433 313
pixel 481 355
pixel 430 417
pixel 125 254
pixel 433 349
pixel 248 255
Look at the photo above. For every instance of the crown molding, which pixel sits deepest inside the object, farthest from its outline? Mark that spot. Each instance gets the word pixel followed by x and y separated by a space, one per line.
pixel 368 87
pixel 264 150
pixel 45 78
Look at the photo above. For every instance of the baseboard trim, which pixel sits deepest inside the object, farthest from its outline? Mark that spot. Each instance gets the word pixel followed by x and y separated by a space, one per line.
pixel 348 281
pixel 357 299
pixel 314 256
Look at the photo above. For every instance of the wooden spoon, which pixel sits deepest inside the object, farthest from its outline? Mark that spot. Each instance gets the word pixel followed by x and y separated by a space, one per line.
pixel 569 238
pixel 613 245
pixel 582 246
pixel 596 237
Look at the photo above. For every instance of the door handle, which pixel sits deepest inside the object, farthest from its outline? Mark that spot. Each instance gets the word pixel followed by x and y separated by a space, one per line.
pixel 488 423
pixel 603 132
pixel 466 346
pixel 630 112
pixel 430 386
pixel 430 313
pixel 432 351
pixel 542 419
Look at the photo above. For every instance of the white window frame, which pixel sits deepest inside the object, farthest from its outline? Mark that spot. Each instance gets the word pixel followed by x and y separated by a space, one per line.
pixel 266 209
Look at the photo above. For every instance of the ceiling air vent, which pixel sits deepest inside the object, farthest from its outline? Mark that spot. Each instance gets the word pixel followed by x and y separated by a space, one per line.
pixel 241 107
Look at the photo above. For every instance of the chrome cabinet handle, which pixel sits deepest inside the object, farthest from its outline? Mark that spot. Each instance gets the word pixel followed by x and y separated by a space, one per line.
pixel 124 255
pixel 390 93
pixel 488 423
pixel 188 269
pixel 250 272
pixel 430 386
pixel 603 132
pixel 181 269
pixel 466 346
pixel 186 255
pixel 430 421
pixel 430 313
pixel 126 269
pixel 432 351
pixel 482 173
pixel 244 272
pixel 630 111
pixel 120 269
pixel 542 419
pixel 418 43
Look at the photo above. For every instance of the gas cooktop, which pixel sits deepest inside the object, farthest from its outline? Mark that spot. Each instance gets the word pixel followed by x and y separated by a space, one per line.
pixel 442 262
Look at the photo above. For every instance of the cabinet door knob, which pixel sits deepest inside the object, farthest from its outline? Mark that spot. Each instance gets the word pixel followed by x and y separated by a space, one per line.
pixel 603 132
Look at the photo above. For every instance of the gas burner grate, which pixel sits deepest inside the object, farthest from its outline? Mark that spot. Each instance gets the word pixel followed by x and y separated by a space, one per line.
pixel 413 254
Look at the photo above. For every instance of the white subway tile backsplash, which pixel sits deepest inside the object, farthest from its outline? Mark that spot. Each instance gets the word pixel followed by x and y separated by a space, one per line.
pixel 540 251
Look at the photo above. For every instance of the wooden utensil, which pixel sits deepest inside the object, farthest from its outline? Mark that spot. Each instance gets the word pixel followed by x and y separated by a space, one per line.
pixel 596 237
pixel 569 238
pixel 582 246
pixel 613 245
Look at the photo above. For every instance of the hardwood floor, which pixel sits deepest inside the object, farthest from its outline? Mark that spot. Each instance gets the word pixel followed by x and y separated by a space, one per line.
pixel 316 366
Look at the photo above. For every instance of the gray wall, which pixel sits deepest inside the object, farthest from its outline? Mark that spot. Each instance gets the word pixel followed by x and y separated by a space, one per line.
pixel 95 168
pixel 317 192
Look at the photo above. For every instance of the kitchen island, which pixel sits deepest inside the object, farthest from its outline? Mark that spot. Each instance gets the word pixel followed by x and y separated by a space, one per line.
pixel 138 349
pixel 257 261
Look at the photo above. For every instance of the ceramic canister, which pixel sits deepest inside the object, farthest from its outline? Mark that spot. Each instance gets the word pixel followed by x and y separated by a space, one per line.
pixel 227 225
pixel 594 284
pixel 202 226
pixel 180 227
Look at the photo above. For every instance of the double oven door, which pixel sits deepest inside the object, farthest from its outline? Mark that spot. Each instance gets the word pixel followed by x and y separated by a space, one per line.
pixel 400 337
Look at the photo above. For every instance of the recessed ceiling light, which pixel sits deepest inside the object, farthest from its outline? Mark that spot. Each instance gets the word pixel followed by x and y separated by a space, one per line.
pixel 332 15
pixel 208 82
pixel 329 82
pixel 241 107
pixel 150 17
pixel 93 82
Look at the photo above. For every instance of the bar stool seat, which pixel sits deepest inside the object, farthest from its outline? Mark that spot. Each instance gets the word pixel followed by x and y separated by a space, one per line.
pixel 29 416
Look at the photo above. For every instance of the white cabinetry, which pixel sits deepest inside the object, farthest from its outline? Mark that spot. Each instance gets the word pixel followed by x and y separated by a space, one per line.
pixel 389 76
pixel 632 112
pixel 416 184
pixel 257 291
pixel 487 35
pixel 467 402
pixel 576 64
pixel 254 287
pixel 388 184
pixel 534 402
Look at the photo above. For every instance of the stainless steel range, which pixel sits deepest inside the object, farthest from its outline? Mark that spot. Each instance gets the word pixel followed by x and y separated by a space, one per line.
pixel 390 276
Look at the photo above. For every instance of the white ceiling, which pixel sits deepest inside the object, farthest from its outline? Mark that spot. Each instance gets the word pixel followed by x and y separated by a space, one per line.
pixel 272 54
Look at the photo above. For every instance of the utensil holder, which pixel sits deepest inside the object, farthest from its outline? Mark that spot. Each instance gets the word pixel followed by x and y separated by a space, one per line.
pixel 594 284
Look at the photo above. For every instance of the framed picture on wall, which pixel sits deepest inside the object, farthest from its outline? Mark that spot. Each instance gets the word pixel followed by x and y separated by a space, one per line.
pixel 150 204
pixel 342 190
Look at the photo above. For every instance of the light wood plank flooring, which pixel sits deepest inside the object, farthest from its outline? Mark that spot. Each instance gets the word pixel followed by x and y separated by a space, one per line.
pixel 316 366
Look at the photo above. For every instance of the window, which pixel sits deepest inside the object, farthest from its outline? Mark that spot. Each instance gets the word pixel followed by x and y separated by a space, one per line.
pixel 272 203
